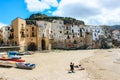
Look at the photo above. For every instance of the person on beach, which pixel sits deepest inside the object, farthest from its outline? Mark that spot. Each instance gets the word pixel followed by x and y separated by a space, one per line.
pixel 80 67
pixel 72 67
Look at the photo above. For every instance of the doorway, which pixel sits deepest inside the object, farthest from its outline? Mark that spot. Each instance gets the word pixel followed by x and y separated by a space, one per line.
pixel 43 45
pixel 32 46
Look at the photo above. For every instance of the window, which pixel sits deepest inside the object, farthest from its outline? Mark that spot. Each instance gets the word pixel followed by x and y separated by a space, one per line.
pixel 15 42
pixel 22 25
pixel 68 37
pixel 60 31
pixel 22 35
pixel 43 35
pixel 12 36
pixel 33 34
pixel 67 32
pixel 72 31
pixel 27 35
pixel 32 28
pixel 66 27
pixel 73 36
pixel 75 42
pixel 72 25
pixel 95 34
pixel 80 32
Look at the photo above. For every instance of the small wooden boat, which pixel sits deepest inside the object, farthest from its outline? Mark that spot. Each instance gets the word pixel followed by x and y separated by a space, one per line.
pixel 27 53
pixel 25 65
pixel 14 54
pixel 7 63
pixel 12 59
pixel 4 59
pixel 17 60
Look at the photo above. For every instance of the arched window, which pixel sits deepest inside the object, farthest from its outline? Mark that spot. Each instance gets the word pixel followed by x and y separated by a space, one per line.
pixel 72 31
pixel 32 28
pixel 75 42
pixel 33 34
pixel 80 32
pixel 67 32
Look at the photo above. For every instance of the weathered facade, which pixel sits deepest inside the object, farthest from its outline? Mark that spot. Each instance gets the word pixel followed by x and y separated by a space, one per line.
pixel 43 37
pixel 116 37
pixel 1 38
pixel 28 37
pixel 57 34
pixel 5 30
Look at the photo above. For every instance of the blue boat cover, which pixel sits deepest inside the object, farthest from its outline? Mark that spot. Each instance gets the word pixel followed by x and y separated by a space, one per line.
pixel 12 53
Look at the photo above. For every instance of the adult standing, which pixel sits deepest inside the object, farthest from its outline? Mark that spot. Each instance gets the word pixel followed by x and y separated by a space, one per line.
pixel 72 67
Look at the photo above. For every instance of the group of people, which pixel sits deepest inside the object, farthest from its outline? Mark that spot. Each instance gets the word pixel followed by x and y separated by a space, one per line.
pixel 72 66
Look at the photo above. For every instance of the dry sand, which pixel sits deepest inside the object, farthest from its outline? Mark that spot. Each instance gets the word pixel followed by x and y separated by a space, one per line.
pixel 99 64
pixel 49 66
pixel 104 65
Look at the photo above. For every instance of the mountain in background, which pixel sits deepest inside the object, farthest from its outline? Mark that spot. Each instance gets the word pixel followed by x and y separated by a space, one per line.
pixel 115 27
pixel 67 20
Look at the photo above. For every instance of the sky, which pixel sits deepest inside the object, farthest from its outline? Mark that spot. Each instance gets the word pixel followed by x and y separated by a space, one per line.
pixel 92 12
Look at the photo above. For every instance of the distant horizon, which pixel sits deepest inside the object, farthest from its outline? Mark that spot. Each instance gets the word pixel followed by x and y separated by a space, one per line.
pixel 94 13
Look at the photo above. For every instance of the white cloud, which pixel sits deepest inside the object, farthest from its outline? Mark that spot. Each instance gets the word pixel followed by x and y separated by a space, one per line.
pixel 40 5
pixel 2 24
pixel 91 11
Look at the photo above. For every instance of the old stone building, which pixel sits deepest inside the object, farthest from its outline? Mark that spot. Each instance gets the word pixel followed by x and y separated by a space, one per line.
pixel 74 36
pixel 17 33
pixel 116 37
pixel 43 38
pixel 107 38
pixel 5 30
pixel 29 36
pixel 44 35
pixel 1 38
pixel 57 34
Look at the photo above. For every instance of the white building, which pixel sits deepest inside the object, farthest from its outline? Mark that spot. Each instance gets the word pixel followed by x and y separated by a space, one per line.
pixel 45 28
pixel 5 30
pixel 57 30
pixel 116 35
pixel 96 32
pixel 43 38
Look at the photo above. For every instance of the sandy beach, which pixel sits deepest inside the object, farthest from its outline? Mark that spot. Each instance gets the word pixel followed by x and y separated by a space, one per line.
pixel 54 65
pixel 104 65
